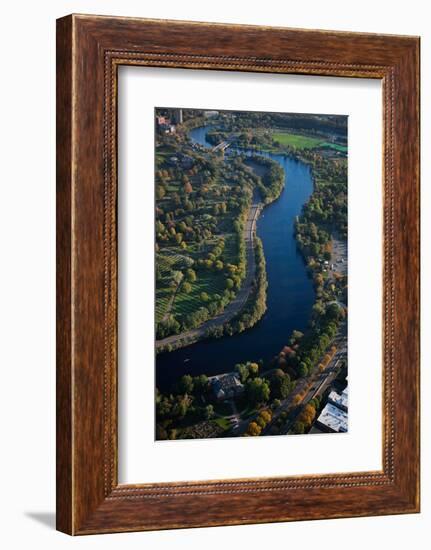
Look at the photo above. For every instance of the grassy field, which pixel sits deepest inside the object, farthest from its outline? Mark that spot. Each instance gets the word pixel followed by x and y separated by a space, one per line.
pixel 168 262
pixel 334 146
pixel 296 140
pixel 223 423
pixel 207 281
pixel 163 298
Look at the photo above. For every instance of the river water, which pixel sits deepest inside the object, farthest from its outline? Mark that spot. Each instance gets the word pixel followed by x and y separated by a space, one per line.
pixel 290 294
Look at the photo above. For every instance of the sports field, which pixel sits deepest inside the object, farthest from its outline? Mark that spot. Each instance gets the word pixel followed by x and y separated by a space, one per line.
pixel 305 142
pixel 296 140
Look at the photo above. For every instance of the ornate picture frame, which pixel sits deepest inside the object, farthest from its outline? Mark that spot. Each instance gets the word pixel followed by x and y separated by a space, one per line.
pixel 89 51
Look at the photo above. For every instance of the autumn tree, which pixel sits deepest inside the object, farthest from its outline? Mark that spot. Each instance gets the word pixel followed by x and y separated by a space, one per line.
pixel 307 415
pixel 254 429
pixel 253 369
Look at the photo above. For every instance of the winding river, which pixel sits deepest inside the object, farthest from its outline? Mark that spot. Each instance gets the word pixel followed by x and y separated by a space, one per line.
pixel 290 291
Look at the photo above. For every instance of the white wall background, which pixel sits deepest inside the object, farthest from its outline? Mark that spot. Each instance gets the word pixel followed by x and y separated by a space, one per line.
pixel 27 233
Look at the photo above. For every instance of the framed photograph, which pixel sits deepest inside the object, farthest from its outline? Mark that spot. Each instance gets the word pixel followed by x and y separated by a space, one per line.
pixel 237 274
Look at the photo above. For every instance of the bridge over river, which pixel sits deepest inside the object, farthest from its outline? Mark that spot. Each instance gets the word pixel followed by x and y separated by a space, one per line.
pixel 222 146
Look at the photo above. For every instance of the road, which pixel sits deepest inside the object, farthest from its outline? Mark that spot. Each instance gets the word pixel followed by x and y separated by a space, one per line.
pixel 234 307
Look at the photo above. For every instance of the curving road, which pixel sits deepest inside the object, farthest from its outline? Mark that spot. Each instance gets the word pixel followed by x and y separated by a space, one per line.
pixel 234 307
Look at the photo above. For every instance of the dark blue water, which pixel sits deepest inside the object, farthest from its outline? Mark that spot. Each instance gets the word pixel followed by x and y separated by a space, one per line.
pixel 198 135
pixel 290 291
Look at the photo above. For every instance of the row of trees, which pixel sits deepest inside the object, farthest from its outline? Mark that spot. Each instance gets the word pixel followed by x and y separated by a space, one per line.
pixel 255 306
pixel 256 426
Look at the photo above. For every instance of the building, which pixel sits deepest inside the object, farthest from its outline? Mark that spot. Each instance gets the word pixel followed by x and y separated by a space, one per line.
pixel 226 386
pixel 332 420
pixel 162 120
pixel 334 416
pixel 339 400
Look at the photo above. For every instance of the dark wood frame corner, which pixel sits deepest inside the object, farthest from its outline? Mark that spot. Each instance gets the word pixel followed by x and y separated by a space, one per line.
pixel 89 51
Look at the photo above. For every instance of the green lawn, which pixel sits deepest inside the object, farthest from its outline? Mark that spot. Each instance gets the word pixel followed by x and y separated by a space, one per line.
pixel 223 423
pixel 335 146
pixel 297 140
pixel 162 302
pixel 207 281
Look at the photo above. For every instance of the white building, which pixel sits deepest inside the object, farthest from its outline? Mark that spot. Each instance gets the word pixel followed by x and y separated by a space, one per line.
pixel 332 419
pixel 339 400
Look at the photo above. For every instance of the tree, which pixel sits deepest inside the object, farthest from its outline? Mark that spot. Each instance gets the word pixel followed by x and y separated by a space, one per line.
pixel 209 412
pixel 261 421
pixel 253 369
pixel 318 309
pixel 297 399
pixel 307 415
pixel 257 391
pixel 160 192
pixel 334 312
pixel 200 384
pixel 243 372
pixel 177 277
pixel 186 384
pixel 266 415
pixel 296 336
pixel 182 405
pixel 204 297
pixel 280 384
pixel 187 287
pixel 229 284
pixel 254 429
pixel 191 275
pixel 302 369
pixel 298 428
pixel 318 279
pixel 161 433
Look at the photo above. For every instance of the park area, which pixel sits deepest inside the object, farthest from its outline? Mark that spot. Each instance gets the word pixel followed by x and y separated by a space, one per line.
pixel 300 141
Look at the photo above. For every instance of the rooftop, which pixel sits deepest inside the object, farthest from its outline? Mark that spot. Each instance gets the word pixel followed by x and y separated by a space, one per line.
pixel 339 400
pixel 226 385
pixel 333 418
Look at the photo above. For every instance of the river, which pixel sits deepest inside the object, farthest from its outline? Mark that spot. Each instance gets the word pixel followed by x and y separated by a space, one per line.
pixel 290 293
